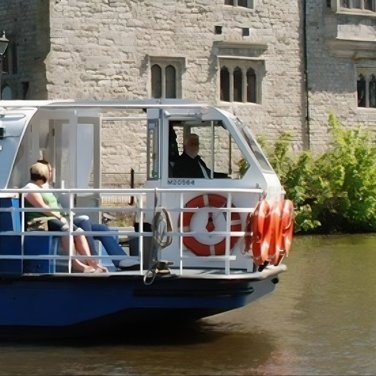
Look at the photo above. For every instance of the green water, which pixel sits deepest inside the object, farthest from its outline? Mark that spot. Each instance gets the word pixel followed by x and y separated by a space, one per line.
pixel 321 320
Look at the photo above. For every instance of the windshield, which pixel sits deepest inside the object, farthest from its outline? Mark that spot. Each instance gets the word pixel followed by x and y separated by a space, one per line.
pixel 203 149
pixel 264 164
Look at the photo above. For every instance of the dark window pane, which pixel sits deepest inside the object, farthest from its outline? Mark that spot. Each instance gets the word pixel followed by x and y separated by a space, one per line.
pixel 170 82
pixel 368 4
pixel 345 3
pixel 229 2
pixel 361 88
pixel 372 91
pixel 225 84
pixel 238 85
pixel 357 4
pixel 251 85
pixel 156 81
pixel 243 3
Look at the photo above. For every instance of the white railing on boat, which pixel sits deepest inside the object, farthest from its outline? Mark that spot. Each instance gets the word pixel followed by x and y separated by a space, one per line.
pixel 140 213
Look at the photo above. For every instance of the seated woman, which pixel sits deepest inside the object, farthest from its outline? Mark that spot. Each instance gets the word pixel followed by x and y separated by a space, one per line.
pixel 109 242
pixel 39 174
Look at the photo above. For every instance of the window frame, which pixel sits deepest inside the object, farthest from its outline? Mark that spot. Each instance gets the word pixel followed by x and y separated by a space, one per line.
pixel 368 82
pixel 235 3
pixel 355 7
pixel 245 65
pixel 165 64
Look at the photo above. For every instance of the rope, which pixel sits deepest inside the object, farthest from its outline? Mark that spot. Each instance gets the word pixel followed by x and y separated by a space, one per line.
pixel 161 227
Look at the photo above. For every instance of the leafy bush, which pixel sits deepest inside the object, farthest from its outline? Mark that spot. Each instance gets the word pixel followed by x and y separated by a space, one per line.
pixel 335 191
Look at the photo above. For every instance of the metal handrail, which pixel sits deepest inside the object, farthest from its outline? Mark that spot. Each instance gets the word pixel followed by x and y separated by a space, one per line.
pixel 141 211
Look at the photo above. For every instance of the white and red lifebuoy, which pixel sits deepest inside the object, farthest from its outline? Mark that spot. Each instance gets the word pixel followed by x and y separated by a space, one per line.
pixel 269 231
pixel 208 201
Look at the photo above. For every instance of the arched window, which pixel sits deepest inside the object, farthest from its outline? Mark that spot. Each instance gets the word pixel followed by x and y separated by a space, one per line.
pixel 240 3
pixel 225 85
pixel 166 77
pixel 240 80
pixel 368 5
pixel 372 91
pixel 238 85
pixel 170 82
pixel 156 81
pixel 251 85
pixel 361 89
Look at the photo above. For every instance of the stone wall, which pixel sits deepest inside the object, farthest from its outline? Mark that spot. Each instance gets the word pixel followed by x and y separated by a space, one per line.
pixel 335 47
pixel 101 49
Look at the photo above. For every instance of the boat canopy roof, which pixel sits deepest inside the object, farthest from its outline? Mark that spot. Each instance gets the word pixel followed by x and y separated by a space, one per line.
pixel 69 133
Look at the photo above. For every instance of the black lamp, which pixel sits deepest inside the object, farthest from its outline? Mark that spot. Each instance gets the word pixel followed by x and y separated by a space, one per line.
pixel 3 44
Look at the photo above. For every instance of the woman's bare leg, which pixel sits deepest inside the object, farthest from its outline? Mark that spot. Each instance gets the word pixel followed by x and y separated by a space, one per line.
pixel 83 249
pixel 77 265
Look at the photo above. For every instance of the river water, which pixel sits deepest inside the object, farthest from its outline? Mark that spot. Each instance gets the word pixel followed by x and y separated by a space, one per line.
pixel 321 320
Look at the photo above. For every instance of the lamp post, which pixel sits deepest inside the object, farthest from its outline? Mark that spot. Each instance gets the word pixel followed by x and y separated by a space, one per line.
pixel 3 47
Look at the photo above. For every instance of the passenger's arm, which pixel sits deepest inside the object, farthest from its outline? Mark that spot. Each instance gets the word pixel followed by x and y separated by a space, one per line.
pixel 36 200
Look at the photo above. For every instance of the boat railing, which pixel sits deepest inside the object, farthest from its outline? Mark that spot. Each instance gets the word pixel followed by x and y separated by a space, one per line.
pixel 158 224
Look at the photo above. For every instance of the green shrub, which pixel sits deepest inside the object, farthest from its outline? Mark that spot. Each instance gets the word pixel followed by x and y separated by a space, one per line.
pixel 335 191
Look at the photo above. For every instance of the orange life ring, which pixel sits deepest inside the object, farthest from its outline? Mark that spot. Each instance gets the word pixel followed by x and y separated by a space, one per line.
pixel 287 226
pixel 198 248
pixel 258 239
pixel 283 232
pixel 276 243
pixel 269 231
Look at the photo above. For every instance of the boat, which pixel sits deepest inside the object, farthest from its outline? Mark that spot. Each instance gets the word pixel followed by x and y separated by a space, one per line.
pixel 193 247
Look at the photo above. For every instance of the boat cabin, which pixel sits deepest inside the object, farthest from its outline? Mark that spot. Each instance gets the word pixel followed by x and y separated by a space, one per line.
pixel 123 158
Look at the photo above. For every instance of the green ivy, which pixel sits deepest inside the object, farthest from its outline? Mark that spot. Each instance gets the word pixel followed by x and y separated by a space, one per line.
pixel 334 191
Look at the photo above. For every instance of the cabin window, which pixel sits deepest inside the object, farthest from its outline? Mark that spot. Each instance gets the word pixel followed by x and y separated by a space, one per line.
pixel 240 3
pixel 166 78
pixel 366 88
pixel 240 81
pixel 217 149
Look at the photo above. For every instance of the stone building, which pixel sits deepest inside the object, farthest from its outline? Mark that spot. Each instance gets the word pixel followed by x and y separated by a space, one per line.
pixel 278 65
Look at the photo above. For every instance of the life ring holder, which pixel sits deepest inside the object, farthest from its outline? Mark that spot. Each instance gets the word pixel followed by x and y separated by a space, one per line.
pixel 198 248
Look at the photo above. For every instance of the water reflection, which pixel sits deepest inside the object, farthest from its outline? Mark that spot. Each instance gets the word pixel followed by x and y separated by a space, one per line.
pixel 321 320
pixel 322 317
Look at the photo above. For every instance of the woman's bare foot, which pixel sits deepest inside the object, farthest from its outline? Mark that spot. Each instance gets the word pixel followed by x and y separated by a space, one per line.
pixel 89 269
pixel 101 269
